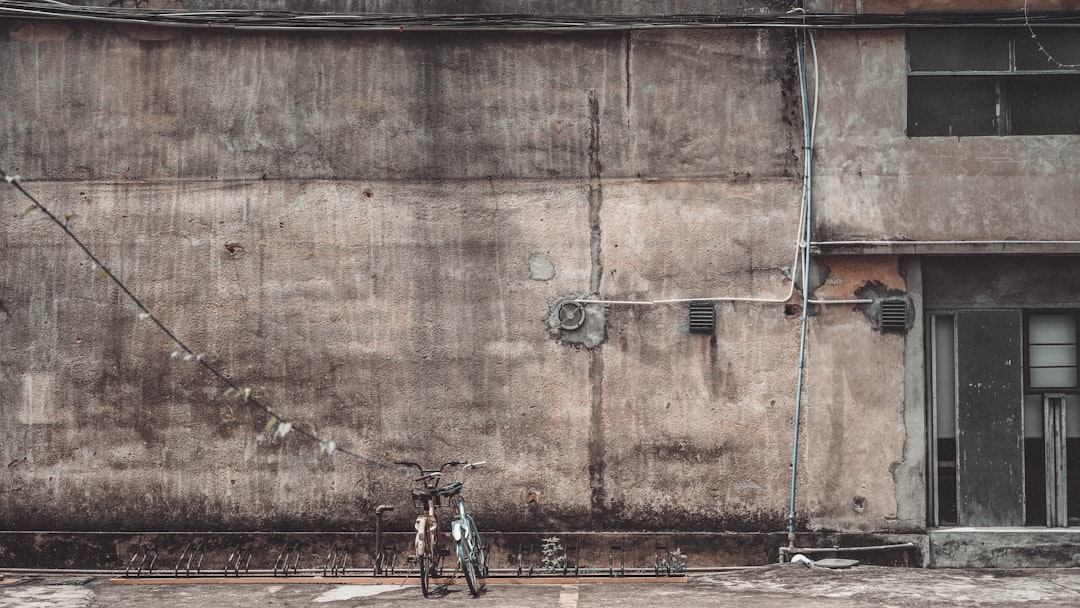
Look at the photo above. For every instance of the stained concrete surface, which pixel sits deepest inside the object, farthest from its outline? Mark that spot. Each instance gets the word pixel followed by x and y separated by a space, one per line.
pixel 765 587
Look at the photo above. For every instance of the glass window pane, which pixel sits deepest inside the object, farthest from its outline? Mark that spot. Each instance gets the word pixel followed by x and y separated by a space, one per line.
pixel 1052 329
pixel 944 376
pixel 953 50
pixel 1033 416
pixel 1044 105
pixel 1061 44
pixel 952 106
pixel 1046 355
pixel 1053 377
pixel 1072 415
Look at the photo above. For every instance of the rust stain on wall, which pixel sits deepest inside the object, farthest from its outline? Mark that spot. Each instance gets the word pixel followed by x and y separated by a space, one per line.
pixel 847 274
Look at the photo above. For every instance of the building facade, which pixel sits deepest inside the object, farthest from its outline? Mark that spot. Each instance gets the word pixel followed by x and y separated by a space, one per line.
pixel 570 246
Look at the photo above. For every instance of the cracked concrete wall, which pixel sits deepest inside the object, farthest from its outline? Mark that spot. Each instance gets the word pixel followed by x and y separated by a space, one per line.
pixel 407 209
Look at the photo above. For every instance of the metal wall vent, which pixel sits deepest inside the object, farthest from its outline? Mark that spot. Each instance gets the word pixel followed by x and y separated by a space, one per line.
pixel 895 314
pixel 571 315
pixel 702 317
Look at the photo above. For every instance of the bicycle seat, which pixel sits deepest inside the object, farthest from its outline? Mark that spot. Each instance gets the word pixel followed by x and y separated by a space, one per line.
pixel 424 494
pixel 451 489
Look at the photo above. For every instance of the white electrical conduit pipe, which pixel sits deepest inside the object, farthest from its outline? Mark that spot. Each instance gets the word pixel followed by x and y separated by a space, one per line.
pixel 808 154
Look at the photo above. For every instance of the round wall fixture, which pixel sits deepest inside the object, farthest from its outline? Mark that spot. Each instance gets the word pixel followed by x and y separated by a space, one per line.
pixel 571 315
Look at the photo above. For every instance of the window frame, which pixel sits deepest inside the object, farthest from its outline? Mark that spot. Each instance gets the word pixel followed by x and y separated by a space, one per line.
pixel 1007 86
pixel 1034 312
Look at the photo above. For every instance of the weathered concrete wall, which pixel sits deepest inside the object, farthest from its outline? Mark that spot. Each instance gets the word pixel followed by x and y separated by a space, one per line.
pixel 408 209
pixel 874 182
pixel 854 405
pixel 396 106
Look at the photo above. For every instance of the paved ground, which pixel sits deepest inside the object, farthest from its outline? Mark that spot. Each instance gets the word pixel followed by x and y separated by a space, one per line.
pixel 775 586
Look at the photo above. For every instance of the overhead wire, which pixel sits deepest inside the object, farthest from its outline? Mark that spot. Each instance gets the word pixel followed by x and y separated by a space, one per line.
pixel 296 21
pixel 1050 58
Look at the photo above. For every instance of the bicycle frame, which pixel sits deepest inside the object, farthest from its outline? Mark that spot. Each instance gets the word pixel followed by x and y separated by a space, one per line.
pixel 471 554
pixel 467 536
pixel 427 530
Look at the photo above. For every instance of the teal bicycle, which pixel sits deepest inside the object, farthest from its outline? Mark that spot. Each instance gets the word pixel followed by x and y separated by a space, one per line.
pixel 471 553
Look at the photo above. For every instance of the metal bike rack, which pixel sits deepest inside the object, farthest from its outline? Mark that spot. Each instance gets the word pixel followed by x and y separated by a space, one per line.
pixel 662 560
pixel 193 552
pixel 337 562
pixel 386 563
pixel 525 560
pixel 575 552
pixel 241 554
pixel 622 560
pixel 289 553
pixel 145 551
pixel 384 558
pixel 444 556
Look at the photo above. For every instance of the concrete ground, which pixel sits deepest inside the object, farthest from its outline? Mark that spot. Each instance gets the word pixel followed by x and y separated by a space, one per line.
pixel 765 587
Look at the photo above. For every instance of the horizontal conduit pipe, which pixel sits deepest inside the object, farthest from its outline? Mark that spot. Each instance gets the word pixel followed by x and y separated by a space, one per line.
pixel 805 550
pixel 688 300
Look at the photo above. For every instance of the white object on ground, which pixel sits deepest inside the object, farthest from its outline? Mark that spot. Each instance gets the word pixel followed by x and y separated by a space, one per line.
pixel 348 592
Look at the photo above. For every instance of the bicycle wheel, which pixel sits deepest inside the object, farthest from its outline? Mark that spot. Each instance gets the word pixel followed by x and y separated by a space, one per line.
pixel 469 567
pixel 425 575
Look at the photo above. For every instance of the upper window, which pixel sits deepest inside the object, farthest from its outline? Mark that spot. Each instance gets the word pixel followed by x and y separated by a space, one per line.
pixel 993 81
pixel 1052 352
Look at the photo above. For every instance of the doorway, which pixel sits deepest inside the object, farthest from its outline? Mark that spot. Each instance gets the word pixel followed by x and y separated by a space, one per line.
pixel 1005 418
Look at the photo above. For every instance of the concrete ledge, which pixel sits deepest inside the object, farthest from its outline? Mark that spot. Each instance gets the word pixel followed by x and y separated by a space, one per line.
pixel 1005 548
pixel 1004 247
pixel 400 580
pixel 115 550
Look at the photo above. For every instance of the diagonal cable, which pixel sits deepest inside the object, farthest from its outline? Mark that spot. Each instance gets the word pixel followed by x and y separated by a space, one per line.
pixel 327 447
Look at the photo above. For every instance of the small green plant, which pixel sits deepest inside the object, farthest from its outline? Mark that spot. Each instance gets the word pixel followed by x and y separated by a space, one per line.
pixel 551 554
pixel 677 561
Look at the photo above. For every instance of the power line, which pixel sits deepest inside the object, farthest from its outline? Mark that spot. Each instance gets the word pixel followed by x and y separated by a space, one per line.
pixel 288 20
pixel 278 426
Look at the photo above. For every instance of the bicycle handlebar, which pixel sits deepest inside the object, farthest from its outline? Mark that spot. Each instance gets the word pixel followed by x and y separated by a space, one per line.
pixel 429 474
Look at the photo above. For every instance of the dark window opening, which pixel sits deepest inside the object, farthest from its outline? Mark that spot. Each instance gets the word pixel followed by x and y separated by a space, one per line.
pixel 946 481
pixel 964 83
pixel 1035 481
pixel 1072 448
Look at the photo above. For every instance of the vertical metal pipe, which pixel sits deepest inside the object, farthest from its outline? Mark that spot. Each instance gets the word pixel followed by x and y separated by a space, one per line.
pixel 379 546
pixel 808 194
